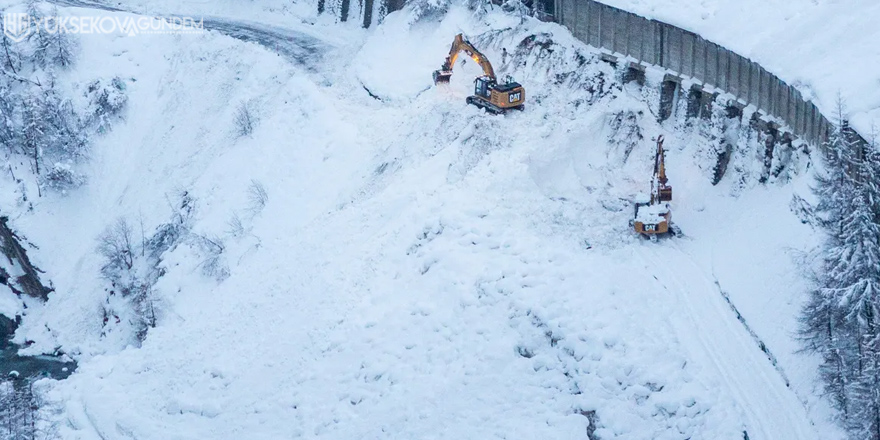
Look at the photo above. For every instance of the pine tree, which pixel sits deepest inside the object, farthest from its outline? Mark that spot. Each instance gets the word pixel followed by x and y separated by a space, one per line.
pixel 10 56
pixel 863 301
pixel 823 333
pixel 8 135
pixel 832 188
pixel 32 131
pixel 52 47
pixel 825 327
pixel 855 258
pixel 841 320
pixel 19 411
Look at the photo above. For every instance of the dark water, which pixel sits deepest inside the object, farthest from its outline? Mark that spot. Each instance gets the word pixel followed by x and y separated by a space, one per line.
pixel 27 366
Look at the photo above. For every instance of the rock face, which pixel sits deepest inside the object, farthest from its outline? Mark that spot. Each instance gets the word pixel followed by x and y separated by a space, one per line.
pixel 19 274
pixel 7 329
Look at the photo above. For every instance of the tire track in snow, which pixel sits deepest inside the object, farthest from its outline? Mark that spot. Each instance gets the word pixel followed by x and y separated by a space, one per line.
pixel 760 342
pixel 771 409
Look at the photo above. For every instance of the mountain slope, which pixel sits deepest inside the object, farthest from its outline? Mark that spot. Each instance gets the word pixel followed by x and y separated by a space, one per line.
pixel 420 268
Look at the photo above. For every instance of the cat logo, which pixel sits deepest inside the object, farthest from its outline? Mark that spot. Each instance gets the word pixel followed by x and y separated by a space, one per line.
pixel 650 228
pixel 514 97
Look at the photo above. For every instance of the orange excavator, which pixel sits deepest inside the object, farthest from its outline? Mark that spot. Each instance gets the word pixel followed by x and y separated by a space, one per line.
pixel 488 93
pixel 653 217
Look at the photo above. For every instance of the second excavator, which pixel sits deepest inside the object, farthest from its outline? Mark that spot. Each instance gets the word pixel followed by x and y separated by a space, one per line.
pixel 489 94
pixel 653 216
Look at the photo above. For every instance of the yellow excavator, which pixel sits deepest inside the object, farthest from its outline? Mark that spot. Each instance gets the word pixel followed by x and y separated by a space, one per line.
pixel 653 216
pixel 488 93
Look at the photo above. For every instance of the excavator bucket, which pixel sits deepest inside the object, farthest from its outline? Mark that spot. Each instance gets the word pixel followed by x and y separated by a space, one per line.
pixel 442 76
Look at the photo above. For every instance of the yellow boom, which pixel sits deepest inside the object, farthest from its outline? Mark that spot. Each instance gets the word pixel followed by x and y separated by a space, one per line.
pixel 459 45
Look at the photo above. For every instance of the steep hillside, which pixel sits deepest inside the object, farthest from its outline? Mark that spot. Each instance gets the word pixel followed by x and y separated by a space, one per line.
pixel 377 259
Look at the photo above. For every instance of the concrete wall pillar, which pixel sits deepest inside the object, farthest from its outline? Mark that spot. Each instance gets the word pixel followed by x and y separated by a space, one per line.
pixel 668 98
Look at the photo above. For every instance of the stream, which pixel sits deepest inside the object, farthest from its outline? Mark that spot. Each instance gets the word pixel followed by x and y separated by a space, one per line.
pixel 11 364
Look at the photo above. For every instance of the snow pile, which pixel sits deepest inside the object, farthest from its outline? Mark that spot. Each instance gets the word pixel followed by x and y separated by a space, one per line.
pixel 416 268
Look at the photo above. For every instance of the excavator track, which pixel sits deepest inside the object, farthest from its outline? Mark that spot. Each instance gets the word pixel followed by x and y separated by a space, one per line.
pixel 489 107
pixel 481 103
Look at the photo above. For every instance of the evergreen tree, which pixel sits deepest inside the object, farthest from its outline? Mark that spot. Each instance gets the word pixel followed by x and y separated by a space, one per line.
pixel 10 56
pixel 8 135
pixel 840 319
pixel 32 131
pixel 19 417
pixel 52 47
pixel 863 302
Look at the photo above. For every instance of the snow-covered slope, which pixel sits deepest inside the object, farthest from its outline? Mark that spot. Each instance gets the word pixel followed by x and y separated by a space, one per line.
pixel 420 269
pixel 825 48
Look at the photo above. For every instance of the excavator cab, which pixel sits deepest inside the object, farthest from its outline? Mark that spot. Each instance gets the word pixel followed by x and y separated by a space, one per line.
pixel 481 87
pixel 488 94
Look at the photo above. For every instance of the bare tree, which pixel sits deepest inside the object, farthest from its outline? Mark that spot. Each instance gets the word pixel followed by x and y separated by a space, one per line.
pixel 257 197
pixel 236 225
pixel 244 120
pixel 115 244
pixel 213 264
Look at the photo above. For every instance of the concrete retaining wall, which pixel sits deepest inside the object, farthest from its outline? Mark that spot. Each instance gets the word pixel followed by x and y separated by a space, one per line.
pixel 689 56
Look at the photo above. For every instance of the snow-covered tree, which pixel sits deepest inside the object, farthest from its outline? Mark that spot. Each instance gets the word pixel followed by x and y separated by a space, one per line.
pixel 38 121
pixel 862 300
pixel 31 137
pixel 841 320
pixel 19 411
pixel 8 128
pixel 53 48
pixel 10 55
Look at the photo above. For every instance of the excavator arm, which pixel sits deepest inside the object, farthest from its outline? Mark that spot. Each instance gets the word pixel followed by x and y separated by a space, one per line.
pixel 664 191
pixel 459 45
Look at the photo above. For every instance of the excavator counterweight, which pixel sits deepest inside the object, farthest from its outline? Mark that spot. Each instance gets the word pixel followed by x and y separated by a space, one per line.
pixel 488 94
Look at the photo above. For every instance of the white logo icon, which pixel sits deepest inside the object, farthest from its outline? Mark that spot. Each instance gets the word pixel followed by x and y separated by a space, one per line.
pixel 17 26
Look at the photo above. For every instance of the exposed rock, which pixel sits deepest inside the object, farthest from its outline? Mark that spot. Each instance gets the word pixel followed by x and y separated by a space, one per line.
pixel 28 282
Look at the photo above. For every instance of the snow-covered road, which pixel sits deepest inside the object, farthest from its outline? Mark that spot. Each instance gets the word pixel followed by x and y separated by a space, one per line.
pixel 300 48
pixel 712 335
